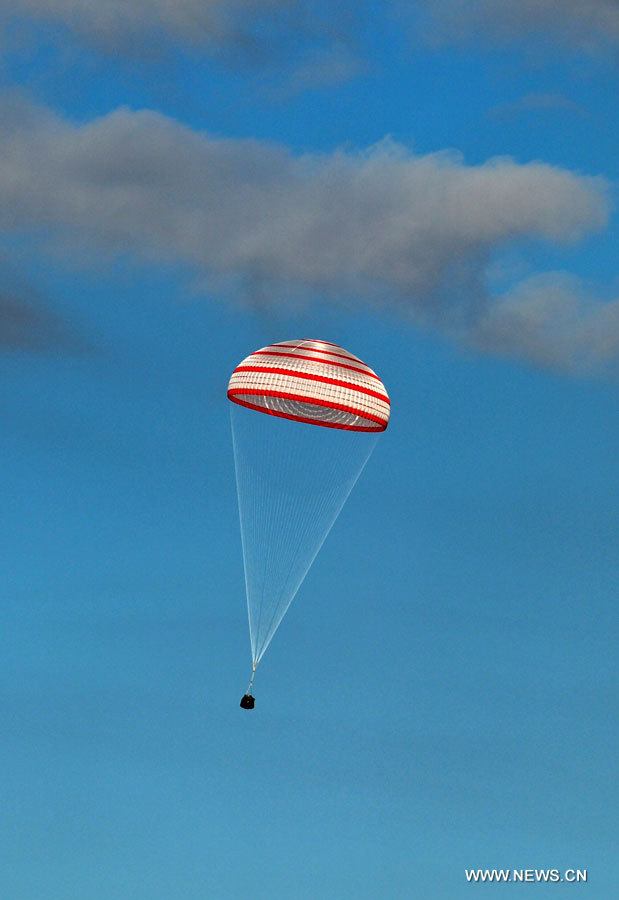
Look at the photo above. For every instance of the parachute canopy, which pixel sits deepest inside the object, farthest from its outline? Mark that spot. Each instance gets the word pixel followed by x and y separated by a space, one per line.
pixel 293 479
pixel 314 382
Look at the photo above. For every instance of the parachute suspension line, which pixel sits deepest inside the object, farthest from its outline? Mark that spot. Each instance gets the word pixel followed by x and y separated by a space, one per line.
pixel 324 513
pixel 242 511
pixel 292 481
pixel 253 675
pixel 275 510
pixel 290 517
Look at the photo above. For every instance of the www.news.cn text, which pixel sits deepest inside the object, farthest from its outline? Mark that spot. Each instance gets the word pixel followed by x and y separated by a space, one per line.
pixel 535 876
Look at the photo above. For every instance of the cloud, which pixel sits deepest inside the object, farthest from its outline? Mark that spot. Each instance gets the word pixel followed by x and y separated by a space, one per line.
pixel 552 321
pixel 324 67
pixel 589 25
pixel 262 25
pixel 22 327
pixel 28 324
pixel 312 45
pixel 537 101
pixel 382 226
pixel 305 43
pixel 194 22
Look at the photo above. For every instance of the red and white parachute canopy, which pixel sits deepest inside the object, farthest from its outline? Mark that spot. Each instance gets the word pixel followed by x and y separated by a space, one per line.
pixel 314 382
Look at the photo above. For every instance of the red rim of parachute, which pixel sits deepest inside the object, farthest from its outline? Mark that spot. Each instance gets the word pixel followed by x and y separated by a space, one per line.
pixel 292 378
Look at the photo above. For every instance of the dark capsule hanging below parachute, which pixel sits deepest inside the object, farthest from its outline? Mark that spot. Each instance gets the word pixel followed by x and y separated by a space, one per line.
pixel 293 480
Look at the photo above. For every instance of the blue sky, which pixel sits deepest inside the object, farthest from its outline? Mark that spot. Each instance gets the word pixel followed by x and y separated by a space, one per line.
pixel 433 187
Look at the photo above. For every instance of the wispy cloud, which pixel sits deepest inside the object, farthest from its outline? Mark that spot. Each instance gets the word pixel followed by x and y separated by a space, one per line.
pixel 382 226
pixel 553 321
pixel 537 102
pixel 194 22
pixel 305 42
pixel 23 326
pixel 299 43
pixel 29 324
pixel 261 26
pixel 589 25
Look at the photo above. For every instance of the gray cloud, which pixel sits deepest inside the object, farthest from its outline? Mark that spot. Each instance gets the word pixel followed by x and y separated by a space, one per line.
pixel 554 322
pixel 383 226
pixel 28 323
pixel 22 326
pixel 261 25
pixel 587 24
pixel 536 102
pixel 190 21
pixel 310 44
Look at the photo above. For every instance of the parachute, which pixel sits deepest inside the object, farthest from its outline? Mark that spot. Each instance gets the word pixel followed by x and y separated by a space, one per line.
pixel 296 465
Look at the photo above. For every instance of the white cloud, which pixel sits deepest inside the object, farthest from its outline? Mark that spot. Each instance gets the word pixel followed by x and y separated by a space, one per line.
pixel 383 225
